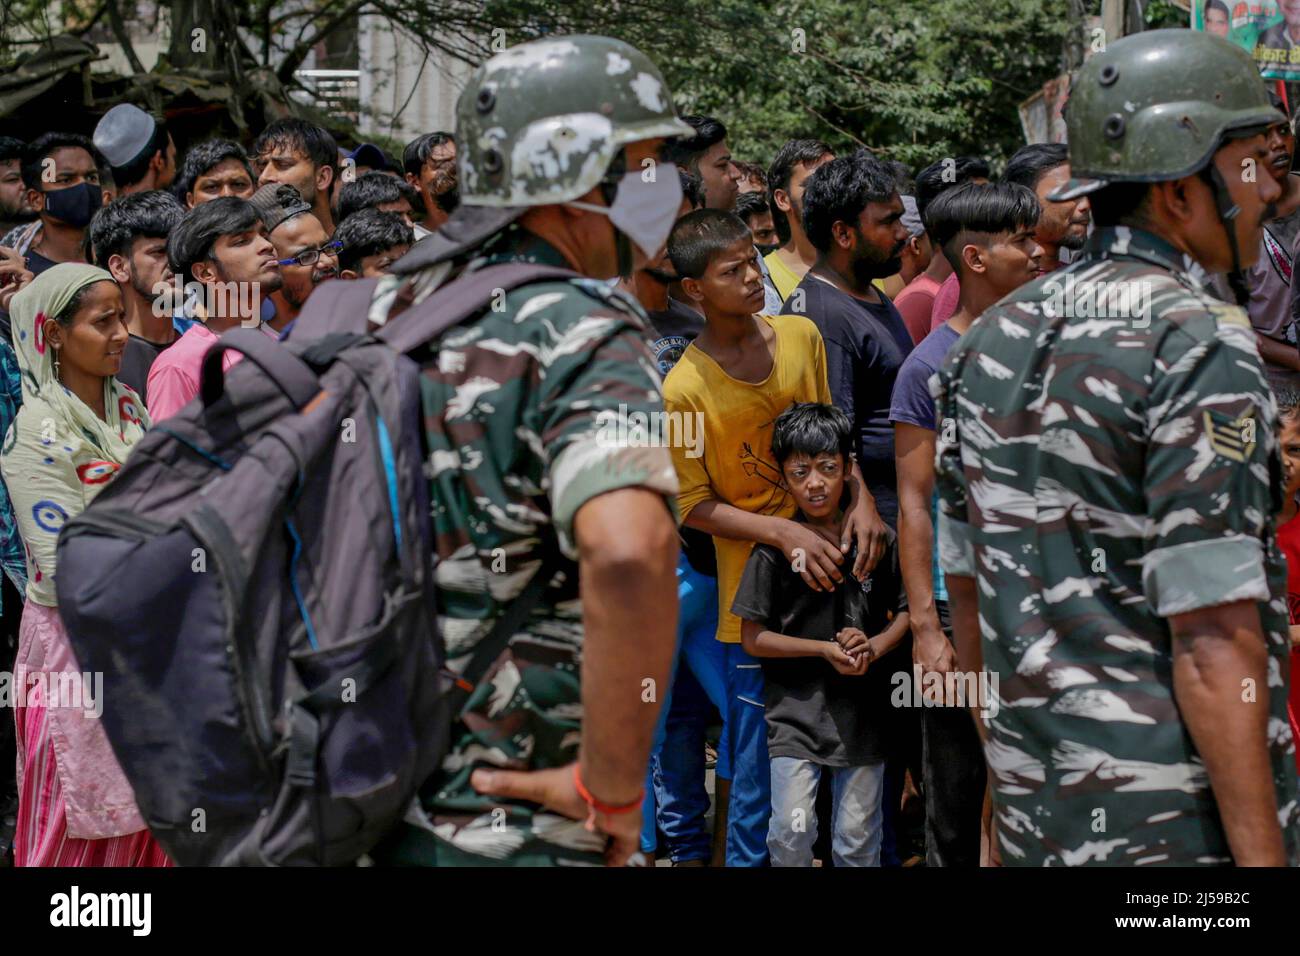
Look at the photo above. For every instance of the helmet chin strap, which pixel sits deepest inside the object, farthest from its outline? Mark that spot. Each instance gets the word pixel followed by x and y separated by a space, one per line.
pixel 1228 213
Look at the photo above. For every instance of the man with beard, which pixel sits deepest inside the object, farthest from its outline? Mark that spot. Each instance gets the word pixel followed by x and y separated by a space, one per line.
pixel 306 255
pixel 1045 168
pixel 139 150
pixel 221 245
pixel 129 239
pixel 301 155
pixel 430 166
pixel 794 163
pixel 14 208
pixel 853 217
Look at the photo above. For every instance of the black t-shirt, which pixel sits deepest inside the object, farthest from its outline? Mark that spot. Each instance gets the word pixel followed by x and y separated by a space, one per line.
pixel 137 359
pixel 672 329
pixel 813 711
pixel 865 347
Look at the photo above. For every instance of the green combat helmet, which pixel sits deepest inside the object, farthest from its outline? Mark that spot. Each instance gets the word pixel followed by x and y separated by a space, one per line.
pixel 540 122
pixel 1155 106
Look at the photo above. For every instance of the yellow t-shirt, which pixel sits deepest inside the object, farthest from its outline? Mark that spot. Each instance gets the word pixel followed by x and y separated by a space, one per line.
pixel 783 277
pixel 734 462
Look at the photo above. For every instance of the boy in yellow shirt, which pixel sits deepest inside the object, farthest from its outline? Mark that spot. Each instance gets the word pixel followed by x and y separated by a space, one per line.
pixel 738 375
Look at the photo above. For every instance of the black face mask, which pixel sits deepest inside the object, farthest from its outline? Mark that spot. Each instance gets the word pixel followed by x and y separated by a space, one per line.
pixel 764 250
pixel 75 205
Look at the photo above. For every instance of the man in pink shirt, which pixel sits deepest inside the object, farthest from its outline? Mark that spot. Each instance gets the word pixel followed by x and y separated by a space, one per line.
pixel 918 301
pixel 222 246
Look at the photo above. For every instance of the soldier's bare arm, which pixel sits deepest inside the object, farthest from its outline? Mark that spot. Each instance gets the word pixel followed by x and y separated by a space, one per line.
pixel 914 458
pixel 627 557
pixel 627 546
pixel 1217 650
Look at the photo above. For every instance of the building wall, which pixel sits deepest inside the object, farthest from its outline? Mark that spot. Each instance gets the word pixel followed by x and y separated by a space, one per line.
pixel 399 99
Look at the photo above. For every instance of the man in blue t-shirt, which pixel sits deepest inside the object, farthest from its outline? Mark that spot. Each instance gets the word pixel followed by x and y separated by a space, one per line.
pixel 987 234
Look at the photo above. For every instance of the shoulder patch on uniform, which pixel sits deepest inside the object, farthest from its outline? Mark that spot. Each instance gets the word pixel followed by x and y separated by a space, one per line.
pixel 1224 314
pixel 1233 438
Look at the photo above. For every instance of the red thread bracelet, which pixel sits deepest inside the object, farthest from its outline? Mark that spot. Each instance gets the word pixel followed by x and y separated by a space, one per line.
pixel 594 806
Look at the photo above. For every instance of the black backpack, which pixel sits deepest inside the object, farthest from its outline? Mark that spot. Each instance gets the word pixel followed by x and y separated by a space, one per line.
pixel 256 587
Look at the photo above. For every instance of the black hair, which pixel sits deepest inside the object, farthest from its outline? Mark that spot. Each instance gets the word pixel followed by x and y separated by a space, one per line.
pixel 370 189
pixel 147 215
pixel 902 177
pixel 700 236
pixel 314 142
pixel 44 145
pixel 945 174
pixel 418 150
pixel 812 429
pixel 796 152
pixel 686 151
pixel 982 210
pixel 752 171
pixel 135 170
pixel 11 149
pixel 692 188
pixel 1216 5
pixel 369 232
pixel 838 191
pixel 193 237
pixel 1030 163
pixel 203 158
pixel 751 204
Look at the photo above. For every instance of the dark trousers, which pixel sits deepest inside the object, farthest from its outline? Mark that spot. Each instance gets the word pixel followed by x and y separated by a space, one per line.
pixel 952 767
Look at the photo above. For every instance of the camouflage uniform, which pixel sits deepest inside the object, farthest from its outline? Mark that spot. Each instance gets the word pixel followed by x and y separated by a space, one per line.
pixel 516 402
pixel 1097 475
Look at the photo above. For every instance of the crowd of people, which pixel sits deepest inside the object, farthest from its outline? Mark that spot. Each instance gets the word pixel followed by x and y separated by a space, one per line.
pixel 945 551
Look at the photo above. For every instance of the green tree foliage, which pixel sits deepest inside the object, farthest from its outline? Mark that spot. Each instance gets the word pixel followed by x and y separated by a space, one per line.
pixel 912 79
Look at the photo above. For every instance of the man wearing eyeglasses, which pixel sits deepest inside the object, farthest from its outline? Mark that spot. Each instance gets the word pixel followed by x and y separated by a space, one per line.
pixel 306 255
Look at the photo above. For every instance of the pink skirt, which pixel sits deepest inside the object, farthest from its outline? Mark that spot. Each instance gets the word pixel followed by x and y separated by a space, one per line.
pixel 42 837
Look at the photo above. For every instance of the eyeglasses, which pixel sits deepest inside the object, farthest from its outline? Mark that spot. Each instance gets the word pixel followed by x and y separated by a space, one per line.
pixel 309 257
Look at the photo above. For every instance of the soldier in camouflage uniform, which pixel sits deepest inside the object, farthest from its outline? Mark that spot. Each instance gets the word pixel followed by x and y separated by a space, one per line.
pixel 554 139
pixel 1108 474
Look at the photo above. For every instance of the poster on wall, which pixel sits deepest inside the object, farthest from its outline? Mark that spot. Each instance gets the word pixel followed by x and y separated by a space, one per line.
pixel 1268 29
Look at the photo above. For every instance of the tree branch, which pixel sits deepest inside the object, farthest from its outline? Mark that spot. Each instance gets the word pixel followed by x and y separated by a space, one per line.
pixel 119 31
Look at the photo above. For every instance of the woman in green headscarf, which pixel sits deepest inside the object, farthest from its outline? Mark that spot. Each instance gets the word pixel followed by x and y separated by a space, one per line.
pixel 74 431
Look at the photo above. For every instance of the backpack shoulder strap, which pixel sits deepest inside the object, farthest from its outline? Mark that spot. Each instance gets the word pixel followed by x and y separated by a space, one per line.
pixel 459 299
pixel 338 306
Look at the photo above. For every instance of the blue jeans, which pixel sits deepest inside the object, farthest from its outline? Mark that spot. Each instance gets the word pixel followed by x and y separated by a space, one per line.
pixel 858 823
pixel 733 682
pixel 675 792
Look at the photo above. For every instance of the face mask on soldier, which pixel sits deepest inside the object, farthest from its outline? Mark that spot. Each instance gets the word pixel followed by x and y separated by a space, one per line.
pixel 643 211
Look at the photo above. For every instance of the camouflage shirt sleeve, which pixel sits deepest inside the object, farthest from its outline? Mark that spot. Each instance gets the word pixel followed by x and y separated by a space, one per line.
pixel 953 534
pixel 1211 470
pixel 596 372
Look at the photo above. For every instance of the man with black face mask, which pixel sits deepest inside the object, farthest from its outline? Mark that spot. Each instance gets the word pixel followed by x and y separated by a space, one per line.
pixel 61 174
pixel 852 214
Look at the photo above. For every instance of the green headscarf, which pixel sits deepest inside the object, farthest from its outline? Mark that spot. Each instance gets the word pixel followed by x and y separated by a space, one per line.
pixel 59 454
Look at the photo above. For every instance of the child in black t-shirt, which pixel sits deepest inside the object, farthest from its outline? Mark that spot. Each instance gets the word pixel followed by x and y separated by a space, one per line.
pixel 827 691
